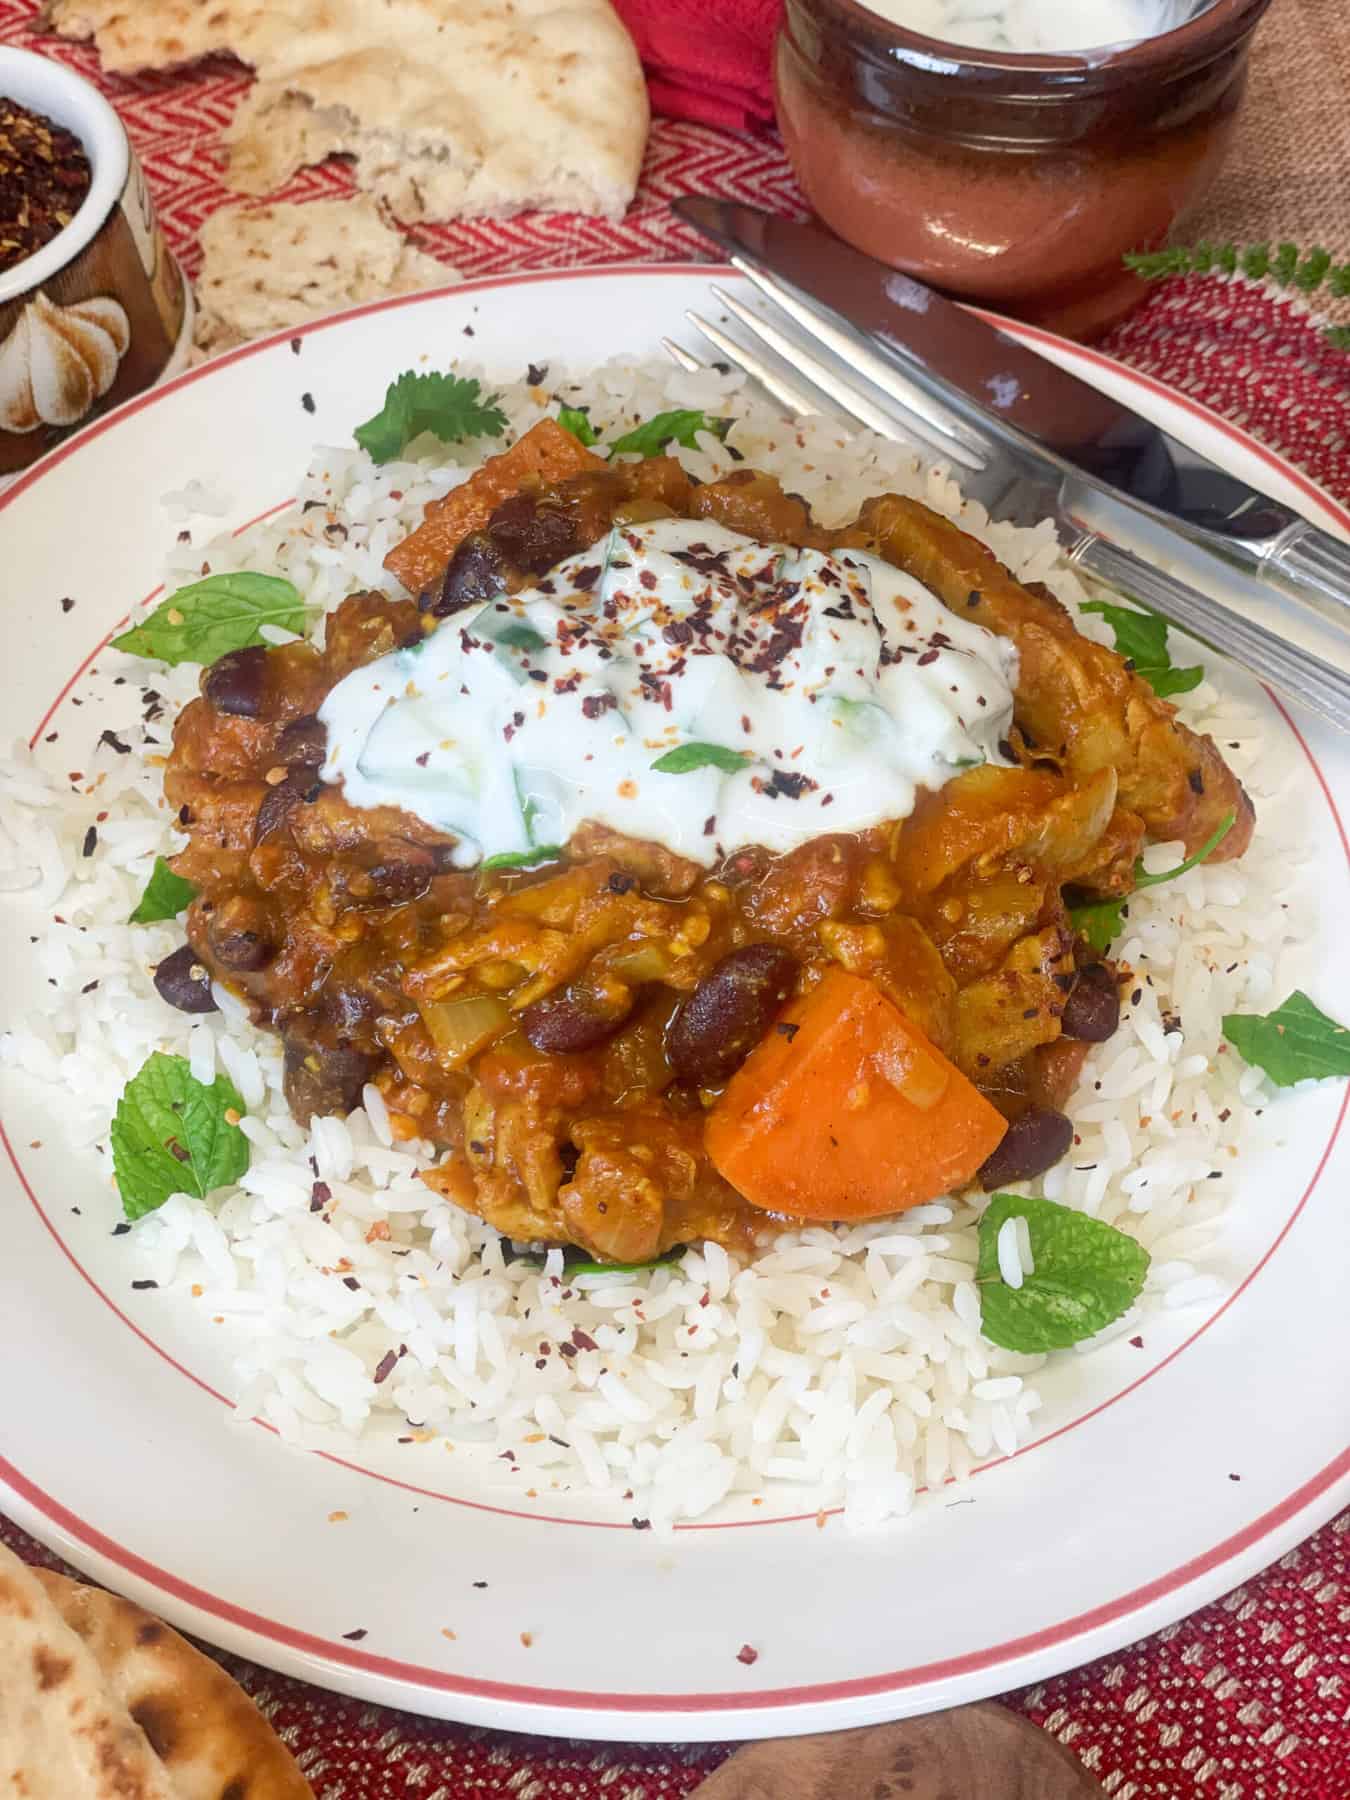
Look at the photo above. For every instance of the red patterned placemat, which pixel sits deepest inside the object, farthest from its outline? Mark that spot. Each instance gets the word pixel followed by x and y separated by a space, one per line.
pixel 1247 1700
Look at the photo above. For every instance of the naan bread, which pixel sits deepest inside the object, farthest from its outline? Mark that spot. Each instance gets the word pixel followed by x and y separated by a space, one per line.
pixel 63 1735
pixel 266 268
pixel 101 1701
pixel 209 1738
pixel 449 108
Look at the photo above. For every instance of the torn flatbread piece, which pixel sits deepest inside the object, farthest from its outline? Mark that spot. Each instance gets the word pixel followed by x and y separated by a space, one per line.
pixel 268 268
pixel 99 1700
pixel 447 111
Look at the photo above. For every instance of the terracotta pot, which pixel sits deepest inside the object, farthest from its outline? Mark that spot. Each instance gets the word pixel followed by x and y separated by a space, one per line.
pixel 1019 181
pixel 100 312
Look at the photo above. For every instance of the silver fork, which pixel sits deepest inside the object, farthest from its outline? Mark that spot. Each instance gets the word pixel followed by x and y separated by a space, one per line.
pixel 807 373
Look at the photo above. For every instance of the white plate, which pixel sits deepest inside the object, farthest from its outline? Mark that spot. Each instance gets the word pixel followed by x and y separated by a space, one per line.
pixel 116 1444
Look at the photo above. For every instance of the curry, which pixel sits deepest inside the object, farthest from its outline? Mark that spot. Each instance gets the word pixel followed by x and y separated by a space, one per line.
pixel 628 1048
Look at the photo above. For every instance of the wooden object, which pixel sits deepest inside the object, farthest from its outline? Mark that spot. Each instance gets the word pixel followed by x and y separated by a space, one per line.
pixel 979 1752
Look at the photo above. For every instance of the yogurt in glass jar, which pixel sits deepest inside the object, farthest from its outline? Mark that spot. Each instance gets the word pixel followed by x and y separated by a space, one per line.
pixel 1037 27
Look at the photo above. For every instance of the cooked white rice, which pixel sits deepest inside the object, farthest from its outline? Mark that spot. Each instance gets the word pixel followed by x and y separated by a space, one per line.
pixel 847 1362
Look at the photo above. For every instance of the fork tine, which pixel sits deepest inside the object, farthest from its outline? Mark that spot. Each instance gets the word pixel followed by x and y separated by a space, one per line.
pixel 685 358
pixel 787 393
pixel 845 393
pixel 856 354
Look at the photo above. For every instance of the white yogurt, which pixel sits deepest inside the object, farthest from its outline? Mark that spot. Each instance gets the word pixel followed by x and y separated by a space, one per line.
pixel 833 687
pixel 1031 27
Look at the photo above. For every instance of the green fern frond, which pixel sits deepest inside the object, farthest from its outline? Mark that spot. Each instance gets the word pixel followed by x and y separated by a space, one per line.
pixel 1286 265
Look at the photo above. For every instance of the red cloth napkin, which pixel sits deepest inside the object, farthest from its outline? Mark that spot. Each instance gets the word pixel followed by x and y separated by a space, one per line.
pixel 709 60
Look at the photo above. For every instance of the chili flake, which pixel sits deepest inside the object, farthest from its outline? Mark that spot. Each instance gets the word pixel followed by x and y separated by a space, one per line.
pixel 44 177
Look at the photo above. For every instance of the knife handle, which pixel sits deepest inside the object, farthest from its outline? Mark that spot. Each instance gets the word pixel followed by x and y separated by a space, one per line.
pixel 1324 686
pixel 1316 565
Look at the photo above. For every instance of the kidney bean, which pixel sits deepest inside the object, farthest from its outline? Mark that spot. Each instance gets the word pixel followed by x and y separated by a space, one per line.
pixel 403 874
pixel 1092 1010
pixel 574 1019
pixel 277 802
pixel 1034 1142
pixel 237 682
pixel 535 537
pixel 183 982
pixel 322 1078
pixel 242 950
pixel 729 1012
pixel 475 573
pixel 303 744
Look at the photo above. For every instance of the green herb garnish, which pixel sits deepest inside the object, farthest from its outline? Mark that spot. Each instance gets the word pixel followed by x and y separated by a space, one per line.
pixel 1142 638
pixel 617 1268
pixel 522 859
pixel 679 427
pixel 1087 1274
pixel 165 896
pixel 173 1135
pixel 1297 1042
pixel 1100 921
pixel 450 407
pixel 1286 265
pixel 576 1263
pixel 685 758
pixel 521 637
pixel 211 617
pixel 577 420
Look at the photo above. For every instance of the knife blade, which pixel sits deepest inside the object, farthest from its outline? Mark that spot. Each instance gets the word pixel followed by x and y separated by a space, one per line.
pixel 996 383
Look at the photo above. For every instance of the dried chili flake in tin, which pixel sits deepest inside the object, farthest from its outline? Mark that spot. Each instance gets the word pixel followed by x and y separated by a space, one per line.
pixel 44 177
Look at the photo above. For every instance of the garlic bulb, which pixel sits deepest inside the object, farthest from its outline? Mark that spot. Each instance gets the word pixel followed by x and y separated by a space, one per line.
pixel 58 360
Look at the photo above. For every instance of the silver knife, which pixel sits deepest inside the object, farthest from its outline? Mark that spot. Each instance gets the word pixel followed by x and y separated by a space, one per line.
pixel 993 383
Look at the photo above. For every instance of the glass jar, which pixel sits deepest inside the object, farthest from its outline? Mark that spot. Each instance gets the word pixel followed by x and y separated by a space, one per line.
pixel 1018 181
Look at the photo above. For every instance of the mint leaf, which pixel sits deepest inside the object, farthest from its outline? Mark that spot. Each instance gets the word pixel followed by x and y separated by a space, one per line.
pixel 577 420
pixel 522 859
pixel 173 1135
pixel 1100 921
pixel 679 427
pixel 165 896
pixel 687 757
pixel 1086 1274
pixel 1142 638
pixel 211 617
pixel 450 407
pixel 1296 1042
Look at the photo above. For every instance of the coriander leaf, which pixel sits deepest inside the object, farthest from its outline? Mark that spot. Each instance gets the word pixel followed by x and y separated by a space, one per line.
pixel 1086 1274
pixel 687 757
pixel 165 896
pixel 1296 1042
pixel 1100 921
pixel 522 859
pixel 577 420
pixel 173 1135
pixel 521 637
pixel 450 407
pixel 680 427
pixel 1142 638
pixel 1166 682
pixel 208 618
